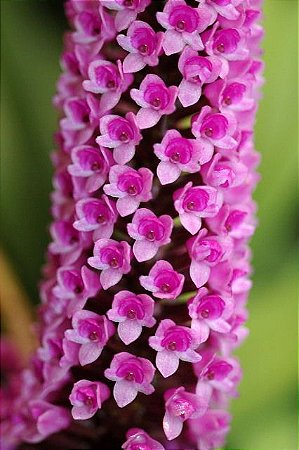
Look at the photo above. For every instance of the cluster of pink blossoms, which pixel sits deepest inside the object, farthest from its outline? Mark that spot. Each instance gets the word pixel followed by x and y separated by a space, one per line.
pixel 148 273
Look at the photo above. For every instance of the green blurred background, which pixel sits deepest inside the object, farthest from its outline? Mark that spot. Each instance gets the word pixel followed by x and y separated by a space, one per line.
pixel 31 31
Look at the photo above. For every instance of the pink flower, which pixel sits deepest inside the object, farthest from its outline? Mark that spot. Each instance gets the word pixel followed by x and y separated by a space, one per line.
pixel 163 281
pixel 92 332
pixel 77 114
pixel 210 311
pixel 67 241
pixel 113 259
pixel 76 286
pixel 210 429
pixel 233 95
pixel 127 11
pixel 109 80
pixel 183 25
pixel 44 420
pixel 224 173
pixel 228 44
pixel 205 252
pixel 174 342
pixel 215 129
pixel 132 312
pixel 143 45
pixel 130 186
pixel 150 233
pixel 197 71
pixel 225 8
pixel 155 99
pixel 181 405
pixel 98 215
pixel 193 203
pixel 94 26
pixel 236 221
pixel 87 398
pixel 91 163
pixel 178 154
pixel 121 134
pixel 132 375
pixel 217 374
pixel 138 438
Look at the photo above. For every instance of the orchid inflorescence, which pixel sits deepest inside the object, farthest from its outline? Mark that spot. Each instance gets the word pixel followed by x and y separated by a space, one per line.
pixel 148 273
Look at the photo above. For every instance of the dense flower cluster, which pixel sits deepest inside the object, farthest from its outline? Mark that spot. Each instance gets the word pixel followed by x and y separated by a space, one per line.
pixel 148 273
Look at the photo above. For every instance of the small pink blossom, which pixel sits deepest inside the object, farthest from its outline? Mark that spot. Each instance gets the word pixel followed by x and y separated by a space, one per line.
pixel 76 286
pixel 44 419
pixel 130 186
pixel 92 332
pixel 127 11
pixel 207 251
pixel 87 398
pixel 197 71
pixel 215 129
pixel 174 343
pixel 237 221
pixel 183 25
pixel 132 312
pixel 113 259
pixel 139 439
pixel 97 215
pixel 91 163
pixel 210 311
pixel 132 375
pixel 210 429
pixel 155 98
pixel 77 113
pixel 143 45
pixel 233 95
pixel 120 133
pixel 228 44
pixel 181 405
pixel 194 203
pixel 163 281
pixel 217 374
pixel 225 8
pixel 224 173
pixel 150 233
pixel 93 26
pixel 67 241
pixel 179 154
pixel 108 79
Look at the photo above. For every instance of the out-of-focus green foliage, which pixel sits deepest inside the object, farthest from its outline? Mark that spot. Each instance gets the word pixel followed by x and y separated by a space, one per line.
pixel 265 413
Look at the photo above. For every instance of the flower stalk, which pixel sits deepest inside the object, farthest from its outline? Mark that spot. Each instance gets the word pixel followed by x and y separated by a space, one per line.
pixel 148 272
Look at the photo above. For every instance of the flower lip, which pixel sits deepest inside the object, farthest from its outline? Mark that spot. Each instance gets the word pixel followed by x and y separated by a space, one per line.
pixel 130 182
pixel 152 229
pixel 176 339
pixel 226 41
pixel 132 308
pixel 184 18
pixel 197 69
pixel 179 150
pixel 119 129
pixel 210 307
pixel 107 76
pixel 214 126
pixel 112 256
pixel 167 281
pixel 195 200
pixel 131 370
pixel 157 96
pixel 144 40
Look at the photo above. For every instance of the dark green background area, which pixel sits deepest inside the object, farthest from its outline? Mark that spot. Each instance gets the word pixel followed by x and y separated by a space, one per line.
pixel 31 32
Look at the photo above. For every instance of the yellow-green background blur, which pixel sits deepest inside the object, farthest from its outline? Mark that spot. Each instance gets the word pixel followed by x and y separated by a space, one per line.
pixel 265 413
